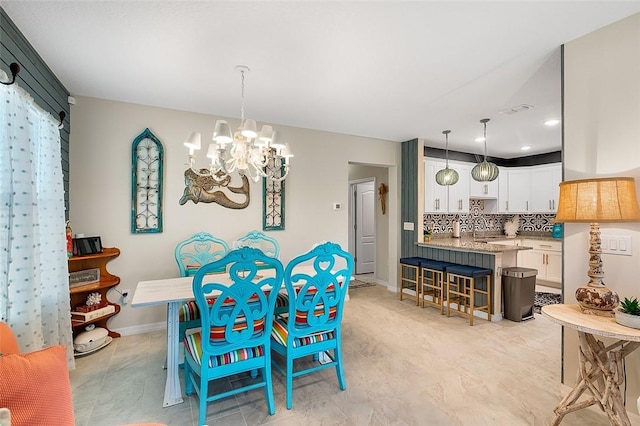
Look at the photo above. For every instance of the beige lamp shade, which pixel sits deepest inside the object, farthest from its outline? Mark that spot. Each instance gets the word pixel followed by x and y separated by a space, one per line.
pixel 611 199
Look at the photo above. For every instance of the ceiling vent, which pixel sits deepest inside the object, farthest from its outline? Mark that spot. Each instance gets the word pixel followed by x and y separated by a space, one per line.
pixel 517 108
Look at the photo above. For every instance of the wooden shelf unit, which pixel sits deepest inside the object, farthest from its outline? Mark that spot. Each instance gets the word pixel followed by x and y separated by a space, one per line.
pixel 107 280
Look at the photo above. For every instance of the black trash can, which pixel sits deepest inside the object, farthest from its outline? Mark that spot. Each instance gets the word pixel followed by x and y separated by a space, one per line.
pixel 519 292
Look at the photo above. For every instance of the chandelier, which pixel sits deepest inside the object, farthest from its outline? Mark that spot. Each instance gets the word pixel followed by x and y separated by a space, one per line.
pixel 485 171
pixel 249 152
pixel 447 176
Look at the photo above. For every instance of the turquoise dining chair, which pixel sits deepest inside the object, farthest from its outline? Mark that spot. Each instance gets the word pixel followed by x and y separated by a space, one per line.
pixel 200 249
pixel 312 323
pixel 236 326
pixel 259 240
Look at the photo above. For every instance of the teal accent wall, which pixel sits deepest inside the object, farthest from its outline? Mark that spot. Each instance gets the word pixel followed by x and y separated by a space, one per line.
pixel 39 81
pixel 409 197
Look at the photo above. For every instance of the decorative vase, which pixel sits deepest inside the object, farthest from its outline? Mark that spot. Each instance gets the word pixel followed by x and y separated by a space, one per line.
pixel 627 320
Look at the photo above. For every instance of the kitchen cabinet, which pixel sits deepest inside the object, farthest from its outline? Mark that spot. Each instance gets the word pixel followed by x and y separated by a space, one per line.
pixel 484 189
pixel 518 189
pixel 459 193
pixel 435 196
pixel 503 191
pixel 446 199
pixel 546 257
pixel 544 188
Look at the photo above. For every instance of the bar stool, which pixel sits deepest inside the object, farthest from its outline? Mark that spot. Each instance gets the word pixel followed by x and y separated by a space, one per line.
pixel 410 266
pixel 433 283
pixel 461 287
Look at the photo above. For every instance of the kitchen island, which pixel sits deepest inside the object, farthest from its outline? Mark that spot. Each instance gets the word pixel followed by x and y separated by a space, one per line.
pixel 467 251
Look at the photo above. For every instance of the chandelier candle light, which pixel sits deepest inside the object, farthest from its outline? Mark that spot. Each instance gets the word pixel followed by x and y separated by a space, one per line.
pixel 485 171
pixel 247 151
pixel 447 176
pixel 593 201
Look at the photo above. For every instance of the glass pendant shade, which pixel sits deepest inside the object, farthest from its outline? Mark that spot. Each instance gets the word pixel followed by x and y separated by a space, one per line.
pixel 485 171
pixel 446 176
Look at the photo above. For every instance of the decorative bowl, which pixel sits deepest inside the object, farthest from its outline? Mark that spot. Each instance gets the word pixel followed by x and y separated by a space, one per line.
pixel 627 320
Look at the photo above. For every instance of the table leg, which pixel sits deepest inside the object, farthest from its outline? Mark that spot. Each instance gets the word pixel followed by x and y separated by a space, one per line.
pixel 172 389
pixel 601 373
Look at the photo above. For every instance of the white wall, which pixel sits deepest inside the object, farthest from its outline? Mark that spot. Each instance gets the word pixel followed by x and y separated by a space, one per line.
pixel 381 175
pixel 602 138
pixel 100 191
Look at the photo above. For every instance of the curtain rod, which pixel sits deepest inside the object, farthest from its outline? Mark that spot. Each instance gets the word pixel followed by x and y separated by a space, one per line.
pixel 15 70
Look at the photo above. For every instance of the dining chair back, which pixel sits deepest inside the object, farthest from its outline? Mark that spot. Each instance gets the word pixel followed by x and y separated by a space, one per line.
pixel 200 249
pixel 236 320
pixel 259 240
pixel 311 325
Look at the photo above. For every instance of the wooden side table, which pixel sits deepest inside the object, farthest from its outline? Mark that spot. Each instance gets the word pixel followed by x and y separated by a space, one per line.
pixel 600 367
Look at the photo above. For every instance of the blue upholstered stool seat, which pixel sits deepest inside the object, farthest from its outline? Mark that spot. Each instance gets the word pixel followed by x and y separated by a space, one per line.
pixel 433 282
pixel 436 265
pixel 409 275
pixel 463 288
pixel 468 271
pixel 413 261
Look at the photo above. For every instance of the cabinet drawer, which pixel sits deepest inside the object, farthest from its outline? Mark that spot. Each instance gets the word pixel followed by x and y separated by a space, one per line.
pixel 543 245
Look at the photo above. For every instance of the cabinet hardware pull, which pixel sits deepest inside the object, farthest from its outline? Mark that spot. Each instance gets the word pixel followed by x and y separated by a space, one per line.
pixel 550 208
pixel 506 205
pixel 545 245
pixel 527 206
pixel 486 189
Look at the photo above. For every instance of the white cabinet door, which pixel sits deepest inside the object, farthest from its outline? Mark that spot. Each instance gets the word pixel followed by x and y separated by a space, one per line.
pixel 544 188
pixel 484 189
pixel 556 178
pixel 459 193
pixel 554 266
pixel 503 190
pixel 518 190
pixel 435 196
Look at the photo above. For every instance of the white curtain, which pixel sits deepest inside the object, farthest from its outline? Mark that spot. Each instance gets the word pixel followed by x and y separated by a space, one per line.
pixel 34 289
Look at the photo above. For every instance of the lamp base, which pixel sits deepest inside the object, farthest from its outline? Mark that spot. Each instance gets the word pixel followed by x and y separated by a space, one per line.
pixel 597 300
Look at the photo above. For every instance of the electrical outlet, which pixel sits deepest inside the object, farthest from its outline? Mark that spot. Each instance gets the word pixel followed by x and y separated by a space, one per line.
pixel 126 296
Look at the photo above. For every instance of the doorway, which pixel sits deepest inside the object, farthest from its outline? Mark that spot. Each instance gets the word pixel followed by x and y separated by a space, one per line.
pixel 362 226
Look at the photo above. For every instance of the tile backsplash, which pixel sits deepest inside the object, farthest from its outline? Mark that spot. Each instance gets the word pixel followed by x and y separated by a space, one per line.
pixel 443 223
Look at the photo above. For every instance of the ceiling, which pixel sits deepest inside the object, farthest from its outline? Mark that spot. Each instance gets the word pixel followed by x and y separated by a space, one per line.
pixel 388 69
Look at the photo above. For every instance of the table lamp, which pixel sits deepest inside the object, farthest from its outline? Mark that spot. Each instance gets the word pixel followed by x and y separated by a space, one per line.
pixel 595 201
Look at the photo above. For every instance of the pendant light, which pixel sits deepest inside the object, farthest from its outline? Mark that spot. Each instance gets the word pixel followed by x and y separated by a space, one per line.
pixel 485 171
pixel 446 176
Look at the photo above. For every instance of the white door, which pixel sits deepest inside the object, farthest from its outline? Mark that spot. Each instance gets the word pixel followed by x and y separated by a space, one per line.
pixel 365 227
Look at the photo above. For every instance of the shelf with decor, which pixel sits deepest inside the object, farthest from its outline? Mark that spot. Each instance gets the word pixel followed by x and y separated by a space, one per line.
pixel 90 281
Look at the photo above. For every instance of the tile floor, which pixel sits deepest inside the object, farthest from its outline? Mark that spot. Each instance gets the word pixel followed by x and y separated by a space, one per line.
pixel 404 366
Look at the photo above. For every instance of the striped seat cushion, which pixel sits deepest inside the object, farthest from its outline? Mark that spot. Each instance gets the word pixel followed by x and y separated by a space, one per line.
pixel 189 310
pixel 280 334
pixel 193 345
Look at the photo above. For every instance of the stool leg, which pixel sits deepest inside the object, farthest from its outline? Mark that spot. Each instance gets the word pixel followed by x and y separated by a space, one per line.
pixel 489 301
pixel 418 284
pixel 472 299
pixel 448 299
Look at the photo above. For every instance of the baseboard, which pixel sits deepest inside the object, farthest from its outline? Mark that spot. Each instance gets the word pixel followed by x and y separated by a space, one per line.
pixel 140 329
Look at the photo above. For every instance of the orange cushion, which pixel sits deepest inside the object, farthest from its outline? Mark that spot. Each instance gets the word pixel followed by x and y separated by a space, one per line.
pixel 36 387
pixel 8 342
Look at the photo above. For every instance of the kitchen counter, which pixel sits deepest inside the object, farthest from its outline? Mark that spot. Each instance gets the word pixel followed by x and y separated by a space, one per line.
pixel 468 244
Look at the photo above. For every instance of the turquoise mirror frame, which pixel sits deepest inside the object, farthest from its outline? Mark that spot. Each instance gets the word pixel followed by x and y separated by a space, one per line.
pixel 147 162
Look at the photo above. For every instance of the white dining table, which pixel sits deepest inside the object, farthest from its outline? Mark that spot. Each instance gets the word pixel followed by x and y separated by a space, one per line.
pixel 173 292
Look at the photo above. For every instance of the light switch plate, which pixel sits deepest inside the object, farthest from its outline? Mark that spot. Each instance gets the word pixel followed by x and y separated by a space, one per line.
pixel 616 244
pixel 408 226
